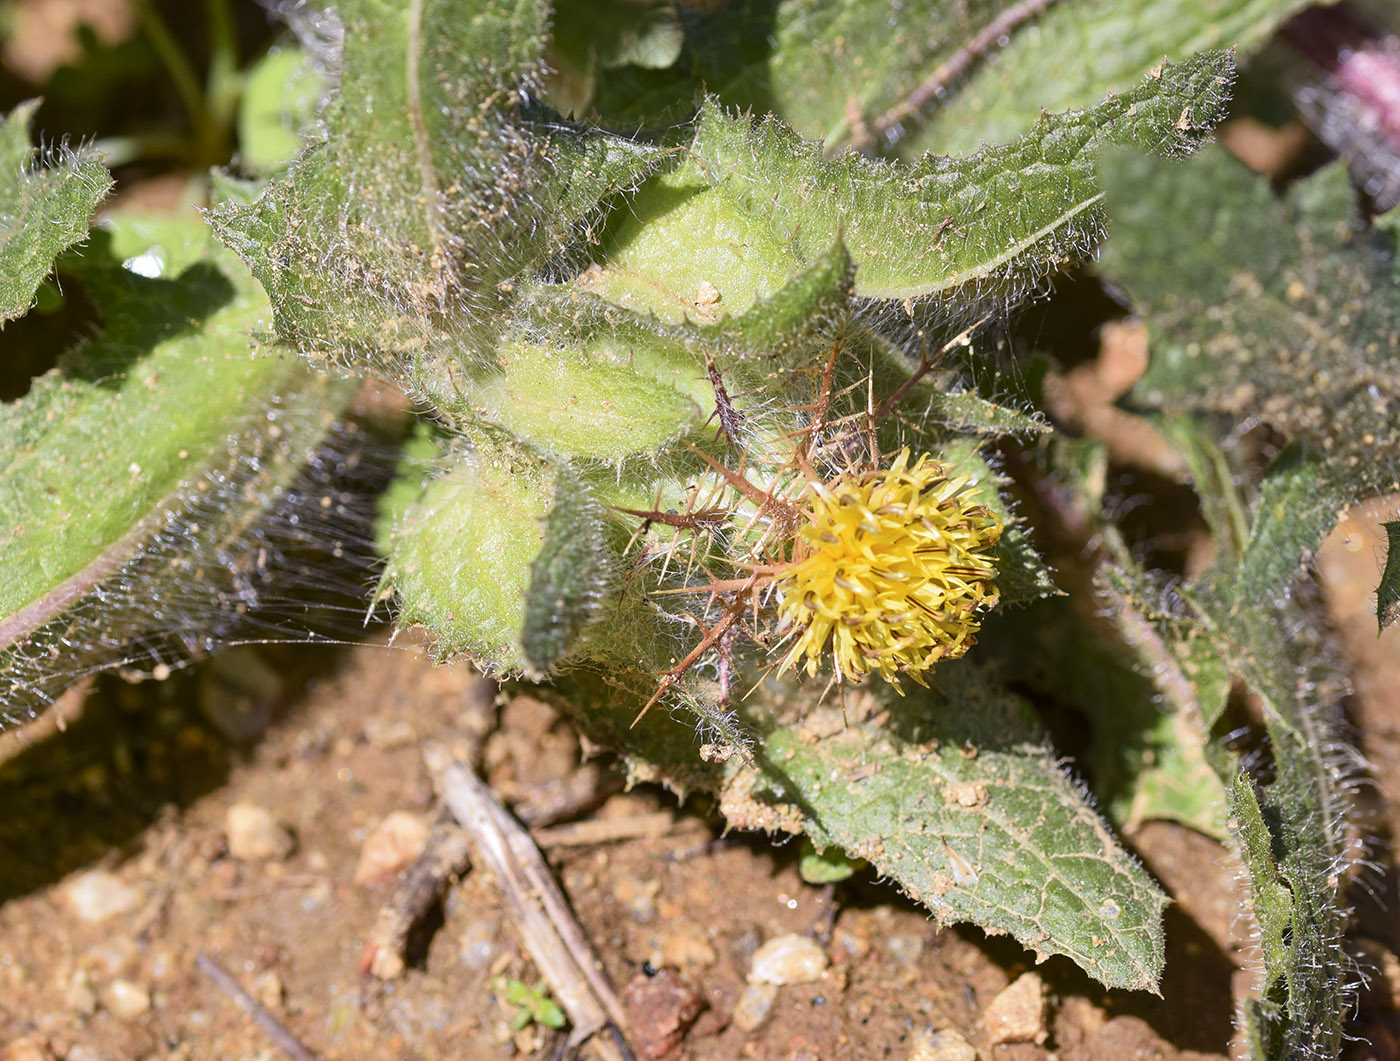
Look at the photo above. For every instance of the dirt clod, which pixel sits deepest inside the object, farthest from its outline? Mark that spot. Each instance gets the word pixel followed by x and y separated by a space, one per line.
pixel 1017 1015
pixel 29 1048
pixel 254 834
pixel 946 1044
pixel 660 1010
pixel 391 848
pixel 754 1006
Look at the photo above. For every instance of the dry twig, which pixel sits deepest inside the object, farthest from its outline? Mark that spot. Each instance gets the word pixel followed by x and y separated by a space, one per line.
pixel 541 914
pixel 260 1015
pixel 445 857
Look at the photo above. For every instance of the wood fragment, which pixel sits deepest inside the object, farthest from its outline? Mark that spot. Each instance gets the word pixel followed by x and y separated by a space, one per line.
pixel 541 914
pixel 445 857
pixel 260 1015
pixel 608 830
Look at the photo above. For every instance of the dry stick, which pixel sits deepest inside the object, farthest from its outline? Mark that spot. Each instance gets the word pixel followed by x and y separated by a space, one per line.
pixel 609 830
pixel 949 71
pixel 547 926
pixel 445 856
pixel 273 1028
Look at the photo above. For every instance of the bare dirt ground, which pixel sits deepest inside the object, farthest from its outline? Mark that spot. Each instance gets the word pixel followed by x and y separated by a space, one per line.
pixel 120 868
pixel 142 835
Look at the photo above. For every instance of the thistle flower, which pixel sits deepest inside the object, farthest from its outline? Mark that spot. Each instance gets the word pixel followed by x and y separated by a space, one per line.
pixel 891 569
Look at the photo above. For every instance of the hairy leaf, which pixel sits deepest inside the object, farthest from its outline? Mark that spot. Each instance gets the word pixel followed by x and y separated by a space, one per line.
pixel 752 204
pixel 1284 311
pixel 1070 54
pixel 951 793
pixel 43 210
pixel 133 471
pixel 568 577
pixel 393 242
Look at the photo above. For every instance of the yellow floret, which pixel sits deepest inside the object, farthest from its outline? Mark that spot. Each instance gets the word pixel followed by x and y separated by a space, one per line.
pixel 891 570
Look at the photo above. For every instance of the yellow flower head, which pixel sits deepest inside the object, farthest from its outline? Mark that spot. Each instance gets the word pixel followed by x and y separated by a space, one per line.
pixel 891 569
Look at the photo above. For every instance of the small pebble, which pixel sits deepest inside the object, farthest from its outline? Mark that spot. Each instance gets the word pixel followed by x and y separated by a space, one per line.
pixel 83 1052
pixel 945 1045
pixel 391 848
pixel 904 948
pixel 660 1010
pixel 29 1048
pixel 268 990
pixel 97 895
pixel 79 997
pixel 478 946
pixel 254 835
pixel 753 1007
pixel 1017 1015
pixel 125 999
pixel 638 896
pixel 789 959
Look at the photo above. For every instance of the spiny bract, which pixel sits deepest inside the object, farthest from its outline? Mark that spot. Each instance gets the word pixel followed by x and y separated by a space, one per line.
pixel 892 569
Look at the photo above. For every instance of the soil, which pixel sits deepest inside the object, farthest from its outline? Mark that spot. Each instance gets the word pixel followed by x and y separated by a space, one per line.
pixel 119 872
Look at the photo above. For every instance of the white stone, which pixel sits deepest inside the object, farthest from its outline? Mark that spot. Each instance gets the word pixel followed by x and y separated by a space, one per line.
pixel 789 959
pixel 125 999
pixel 254 835
pixel 97 895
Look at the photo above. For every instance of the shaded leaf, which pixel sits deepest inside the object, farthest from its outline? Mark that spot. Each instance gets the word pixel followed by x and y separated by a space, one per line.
pixel 1388 592
pixel 133 471
pixel 1284 311
pixel 1071 54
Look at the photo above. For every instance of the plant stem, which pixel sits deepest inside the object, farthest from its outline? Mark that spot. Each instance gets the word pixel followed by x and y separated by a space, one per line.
pixel 179 69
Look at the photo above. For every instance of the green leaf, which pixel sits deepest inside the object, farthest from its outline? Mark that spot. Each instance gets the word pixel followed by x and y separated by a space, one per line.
pixel 1388 593
pixel 547 1012
pixel 1273 902
pixel 825 867
pixel 752 204
pixel 278 104
pixel 43 210
pixel 394 243
pixel 133 471
pixel 1284 311
pixel 951 793
pixel 1070 55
